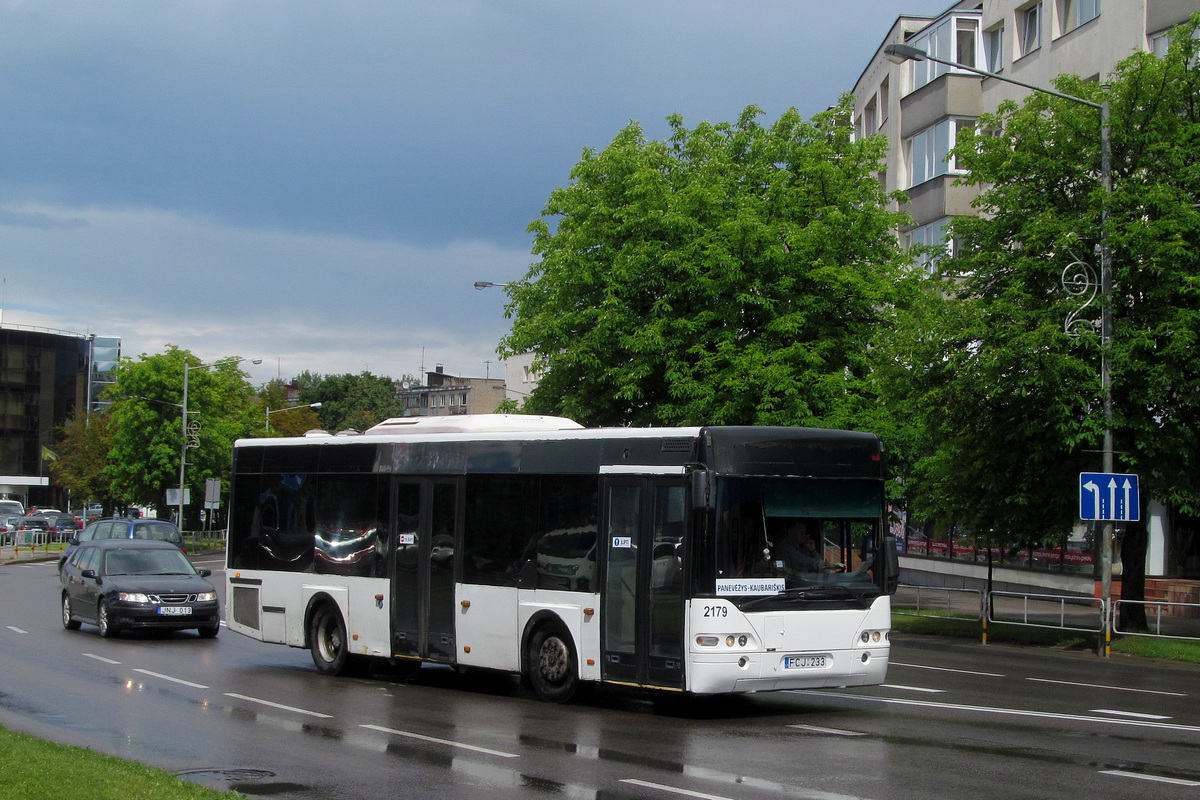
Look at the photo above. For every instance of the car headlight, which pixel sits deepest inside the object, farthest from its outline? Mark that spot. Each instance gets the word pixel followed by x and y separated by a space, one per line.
pixel 205 597
pixel 133 597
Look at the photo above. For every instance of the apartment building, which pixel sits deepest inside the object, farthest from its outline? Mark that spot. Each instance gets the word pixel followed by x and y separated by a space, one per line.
pixel 921 106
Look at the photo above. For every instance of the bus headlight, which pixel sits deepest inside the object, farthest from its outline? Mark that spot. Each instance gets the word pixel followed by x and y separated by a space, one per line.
pixel 707 641
pixel 869 637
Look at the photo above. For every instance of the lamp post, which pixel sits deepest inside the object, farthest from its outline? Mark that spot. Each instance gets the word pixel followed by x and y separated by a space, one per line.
pixel 481 285
pixel 189 431
pixel 289 408
pixel 898 54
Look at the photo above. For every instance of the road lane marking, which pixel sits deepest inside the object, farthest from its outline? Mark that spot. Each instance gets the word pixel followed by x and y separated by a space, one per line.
pixel 1015 712
pixel 912 688
pixel 101 658
pixel 1134 714
pixel 946 669
pixel 169 678
pixel 277 705
pixel 1102 686
pixel 447 742
pixel 1143 776
pixel 673 789
pixel 15 629
pixel 834 731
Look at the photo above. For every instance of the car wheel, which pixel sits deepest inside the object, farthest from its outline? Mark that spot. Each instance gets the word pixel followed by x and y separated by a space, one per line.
pixel 328 642
pixel 108 628
pixel 209 631
pixel 68 623
pixel 550 664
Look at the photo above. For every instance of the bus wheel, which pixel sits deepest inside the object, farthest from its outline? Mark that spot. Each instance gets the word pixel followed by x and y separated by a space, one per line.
pixel 327 641
pixel 550 664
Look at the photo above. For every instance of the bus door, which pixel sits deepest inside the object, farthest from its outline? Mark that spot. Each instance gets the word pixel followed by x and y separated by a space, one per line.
pixel 642 607
pixel 423 570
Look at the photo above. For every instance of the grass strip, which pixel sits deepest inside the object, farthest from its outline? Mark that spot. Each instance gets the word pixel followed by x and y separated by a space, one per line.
pixel 36 769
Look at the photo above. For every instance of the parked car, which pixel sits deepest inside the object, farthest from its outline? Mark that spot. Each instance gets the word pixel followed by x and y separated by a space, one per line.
pixel 11 508
pixel 128 584
pixel 160 530
pixel 9 525
pixel 62 525
pixel 33 522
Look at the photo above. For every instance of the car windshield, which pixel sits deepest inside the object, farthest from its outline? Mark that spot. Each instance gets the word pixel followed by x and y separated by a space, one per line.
pixel 147 562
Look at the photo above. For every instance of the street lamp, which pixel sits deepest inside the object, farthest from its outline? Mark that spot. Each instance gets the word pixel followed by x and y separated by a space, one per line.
pixel 194 432
pixel 289 408
pixel 481 285
pixel 898 54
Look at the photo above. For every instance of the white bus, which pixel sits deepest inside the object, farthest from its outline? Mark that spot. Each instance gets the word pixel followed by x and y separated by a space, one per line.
pixel 641 557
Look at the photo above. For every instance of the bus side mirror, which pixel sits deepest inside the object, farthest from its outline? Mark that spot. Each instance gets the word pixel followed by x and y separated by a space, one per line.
pixel 891 558
pixel 702 499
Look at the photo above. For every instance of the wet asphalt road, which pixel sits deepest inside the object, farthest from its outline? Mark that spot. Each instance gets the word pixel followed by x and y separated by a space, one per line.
pixel 955 720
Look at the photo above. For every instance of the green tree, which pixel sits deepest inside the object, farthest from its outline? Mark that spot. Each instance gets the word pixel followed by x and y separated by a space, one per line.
pixel 294 422
pixel 83 458
pixel 1010 403
pixel 351 401
pixel 146 415
pixel 735 273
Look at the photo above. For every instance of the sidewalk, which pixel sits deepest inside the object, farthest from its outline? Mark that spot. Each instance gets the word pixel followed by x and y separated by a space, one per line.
pixel 24 554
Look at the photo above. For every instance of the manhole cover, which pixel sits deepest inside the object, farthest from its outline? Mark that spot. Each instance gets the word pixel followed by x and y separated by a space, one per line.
pixel 225 775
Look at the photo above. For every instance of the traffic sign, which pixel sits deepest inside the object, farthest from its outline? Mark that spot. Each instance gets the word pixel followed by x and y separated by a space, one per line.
pixel 1109 496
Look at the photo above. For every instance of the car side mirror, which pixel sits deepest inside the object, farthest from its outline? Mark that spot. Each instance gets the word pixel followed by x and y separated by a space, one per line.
pixel 204 573
pixel 88 573
pixel 74 539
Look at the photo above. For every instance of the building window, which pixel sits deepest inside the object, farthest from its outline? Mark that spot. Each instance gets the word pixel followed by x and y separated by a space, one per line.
pixel 932 235
pixel 464 399
pixel 885 91
pixel 1029 28
pixel 929 150
pixel 954 39
pixel 993 48
pixel 870 120
pixel 1159 42
pixel 1073 13
pixel 965 41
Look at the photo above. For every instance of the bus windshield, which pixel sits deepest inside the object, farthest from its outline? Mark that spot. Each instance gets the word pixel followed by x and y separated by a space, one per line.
pixel 795 539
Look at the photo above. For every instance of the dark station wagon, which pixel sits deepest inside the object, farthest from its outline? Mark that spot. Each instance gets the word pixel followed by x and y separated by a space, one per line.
pixel 126 584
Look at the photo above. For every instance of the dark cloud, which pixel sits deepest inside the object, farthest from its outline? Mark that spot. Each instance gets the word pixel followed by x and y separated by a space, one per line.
pixel 212 141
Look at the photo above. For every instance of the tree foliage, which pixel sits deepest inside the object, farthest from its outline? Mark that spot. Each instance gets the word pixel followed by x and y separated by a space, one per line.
pixel 735 273
pixel 350 401
pixel 83 458
pixel 287 420
pixel 148 426
pixel 1010 403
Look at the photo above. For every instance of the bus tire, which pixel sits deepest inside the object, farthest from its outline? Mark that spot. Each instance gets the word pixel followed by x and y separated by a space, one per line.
pixel 550 663
pixel 328 643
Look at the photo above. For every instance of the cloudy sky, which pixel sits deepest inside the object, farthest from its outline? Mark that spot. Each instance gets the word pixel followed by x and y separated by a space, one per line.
pixel 319 184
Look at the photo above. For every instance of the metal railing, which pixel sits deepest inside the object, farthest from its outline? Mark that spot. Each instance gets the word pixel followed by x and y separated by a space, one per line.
pixel 1065 612
pixel 1168 620
pixel 925 601
pixel 1163 619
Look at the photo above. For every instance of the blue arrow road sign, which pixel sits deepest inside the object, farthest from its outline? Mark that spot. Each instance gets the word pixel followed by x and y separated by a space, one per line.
pixel 1108 496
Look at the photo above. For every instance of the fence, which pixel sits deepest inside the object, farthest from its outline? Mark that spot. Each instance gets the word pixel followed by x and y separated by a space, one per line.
pixel 924 601
pixel 1164 619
